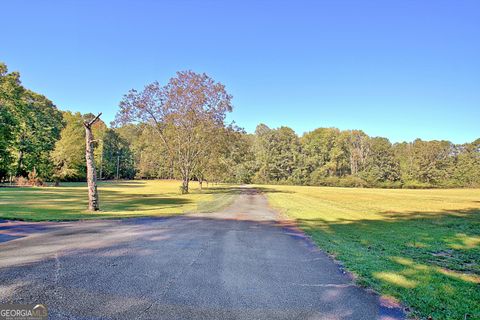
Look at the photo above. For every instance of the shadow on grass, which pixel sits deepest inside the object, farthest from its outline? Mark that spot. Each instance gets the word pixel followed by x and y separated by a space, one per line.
pixel 272 190
pixel 141 202
pixel 428 260
pixel 133 261
pixel 71 203
pixel 240 189
pixel 221 190
pixel 431 261
pixel 122 184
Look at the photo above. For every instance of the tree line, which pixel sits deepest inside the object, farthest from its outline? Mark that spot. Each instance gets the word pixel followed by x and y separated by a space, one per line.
pixel 41 142
pixel 323 157
pixel 179 131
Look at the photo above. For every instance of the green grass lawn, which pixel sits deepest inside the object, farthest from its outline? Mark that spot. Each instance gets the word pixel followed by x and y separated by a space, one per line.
pixel 419 246
pixel 117 200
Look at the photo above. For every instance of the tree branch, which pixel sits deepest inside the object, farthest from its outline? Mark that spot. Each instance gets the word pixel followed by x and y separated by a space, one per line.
pixel 91 122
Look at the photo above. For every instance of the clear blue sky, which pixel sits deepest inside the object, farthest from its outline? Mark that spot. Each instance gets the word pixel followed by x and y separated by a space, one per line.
pixel 400 69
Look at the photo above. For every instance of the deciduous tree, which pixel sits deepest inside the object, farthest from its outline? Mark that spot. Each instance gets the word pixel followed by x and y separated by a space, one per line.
pixel 188 114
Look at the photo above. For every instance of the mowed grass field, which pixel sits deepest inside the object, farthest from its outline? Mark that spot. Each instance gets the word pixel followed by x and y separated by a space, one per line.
pixel 419 246
pixel 120 199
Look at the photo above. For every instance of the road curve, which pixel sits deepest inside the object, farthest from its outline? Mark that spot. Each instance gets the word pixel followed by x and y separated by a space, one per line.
pixel 241 263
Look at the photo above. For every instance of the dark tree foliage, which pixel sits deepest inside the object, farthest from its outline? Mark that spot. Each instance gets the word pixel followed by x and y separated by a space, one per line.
pixel 325 156
pixel 31 125
pixel 117 158
pixel 331 157
pixel 277 153
pixel 178 131
pixel 68 156
pixel 7 124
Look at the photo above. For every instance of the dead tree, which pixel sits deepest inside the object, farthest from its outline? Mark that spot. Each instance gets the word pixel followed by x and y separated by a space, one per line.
pixel 93 201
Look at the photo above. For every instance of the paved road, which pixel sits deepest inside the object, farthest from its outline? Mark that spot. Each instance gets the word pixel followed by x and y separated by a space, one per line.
pixel 236 264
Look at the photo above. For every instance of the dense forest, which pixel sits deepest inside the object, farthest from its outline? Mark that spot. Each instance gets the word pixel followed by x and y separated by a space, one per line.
pixel 178 131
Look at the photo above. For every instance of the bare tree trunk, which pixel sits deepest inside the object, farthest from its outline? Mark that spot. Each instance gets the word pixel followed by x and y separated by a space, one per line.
pixel 118 166
pixel 185 183
pixel 185 178
pixel 93 201
pixel 19 164
pixel 172 170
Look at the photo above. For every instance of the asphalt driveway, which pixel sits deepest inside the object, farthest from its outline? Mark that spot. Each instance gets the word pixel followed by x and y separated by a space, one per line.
pixel 241 263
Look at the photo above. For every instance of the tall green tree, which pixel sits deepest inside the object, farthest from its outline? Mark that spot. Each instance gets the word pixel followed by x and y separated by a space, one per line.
pixel 432 161
pixel 68 155
pixel 466 171
pixel 117 158
pixel 150 156
pixel 359 150
pixel 10 100
pixel 7 124
pixel 39 127
pixel 33 124
pixel 278 153
pixel 381 165
pixel 318 158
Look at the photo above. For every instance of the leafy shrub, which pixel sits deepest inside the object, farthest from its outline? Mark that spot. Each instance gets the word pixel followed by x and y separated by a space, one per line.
pixel 347 181
pixel 33 180
pixel 387 184
pixel 414 184
pixel 352 182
